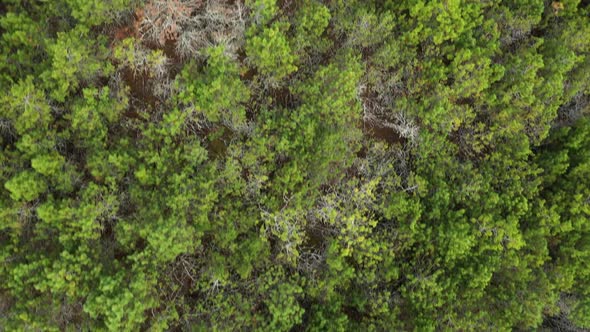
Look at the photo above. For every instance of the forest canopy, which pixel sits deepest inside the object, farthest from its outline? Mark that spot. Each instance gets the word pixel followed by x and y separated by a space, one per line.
pixel 294 165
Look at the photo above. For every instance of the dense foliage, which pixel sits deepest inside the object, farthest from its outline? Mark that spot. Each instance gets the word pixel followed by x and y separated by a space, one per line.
pixel 294 165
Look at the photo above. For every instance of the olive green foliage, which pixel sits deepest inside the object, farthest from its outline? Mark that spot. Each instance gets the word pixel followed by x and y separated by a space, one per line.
pixel 294 165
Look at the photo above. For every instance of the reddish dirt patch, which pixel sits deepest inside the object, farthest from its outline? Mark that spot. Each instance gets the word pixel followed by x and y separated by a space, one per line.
pixel 382 133
pixel 131 31
pixel 141 83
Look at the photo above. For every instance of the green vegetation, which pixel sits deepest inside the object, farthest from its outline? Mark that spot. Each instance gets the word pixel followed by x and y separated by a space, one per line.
pixel 307 165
